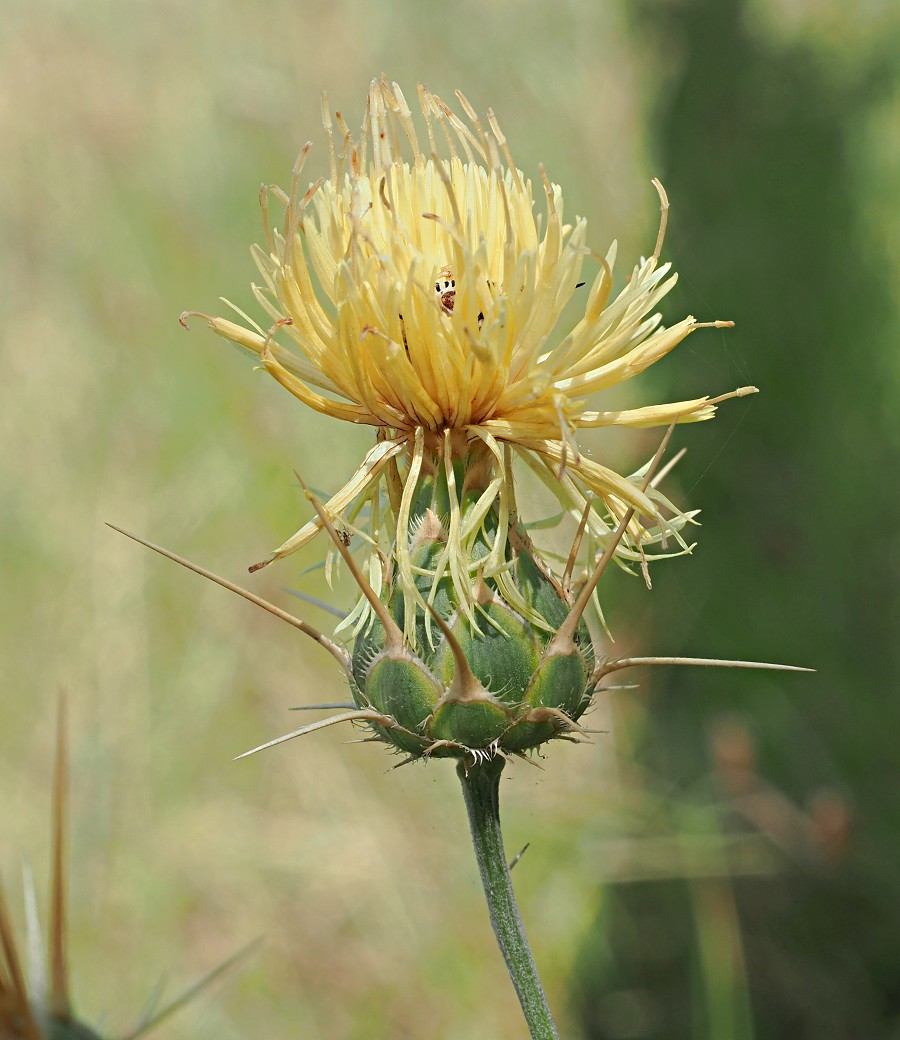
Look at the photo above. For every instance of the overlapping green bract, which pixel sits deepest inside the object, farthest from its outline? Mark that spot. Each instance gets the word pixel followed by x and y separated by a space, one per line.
pixel 485 679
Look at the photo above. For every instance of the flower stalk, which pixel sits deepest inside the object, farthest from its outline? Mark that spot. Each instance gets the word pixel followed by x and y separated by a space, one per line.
pixel 481 790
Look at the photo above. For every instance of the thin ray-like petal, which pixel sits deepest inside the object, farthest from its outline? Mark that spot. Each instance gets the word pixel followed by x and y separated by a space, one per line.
pixel 421 289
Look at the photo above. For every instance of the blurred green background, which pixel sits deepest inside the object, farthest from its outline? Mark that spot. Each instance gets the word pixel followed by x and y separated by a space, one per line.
pixel 722 861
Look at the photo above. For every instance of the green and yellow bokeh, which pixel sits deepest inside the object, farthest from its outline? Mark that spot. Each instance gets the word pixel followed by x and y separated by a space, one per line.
pixel 135 137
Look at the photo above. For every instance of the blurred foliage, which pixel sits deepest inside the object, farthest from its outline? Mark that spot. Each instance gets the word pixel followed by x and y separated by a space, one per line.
pixel 135 136
pixel 772 146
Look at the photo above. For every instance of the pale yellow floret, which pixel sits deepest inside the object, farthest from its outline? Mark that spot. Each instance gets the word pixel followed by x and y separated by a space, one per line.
pixel 419 289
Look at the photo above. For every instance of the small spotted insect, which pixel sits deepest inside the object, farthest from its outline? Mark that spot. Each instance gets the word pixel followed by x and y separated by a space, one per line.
pixel 445 287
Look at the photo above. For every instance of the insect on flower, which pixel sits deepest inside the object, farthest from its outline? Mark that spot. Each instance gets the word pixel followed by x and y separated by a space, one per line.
pixel 416 289
pixel 445 287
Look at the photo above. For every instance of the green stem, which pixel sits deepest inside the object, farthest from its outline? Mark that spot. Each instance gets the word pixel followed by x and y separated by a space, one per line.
pixel 481 788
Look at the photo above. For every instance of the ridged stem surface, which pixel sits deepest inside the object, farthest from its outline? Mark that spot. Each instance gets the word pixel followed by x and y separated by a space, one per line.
pixel 481 788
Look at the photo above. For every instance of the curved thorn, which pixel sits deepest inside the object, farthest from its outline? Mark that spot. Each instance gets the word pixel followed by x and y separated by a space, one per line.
pixel 337 652
pixel 518 855
pixel 564 640
pixel 348 716
pixel 545 714
pixel 701 662
pixel 408 761
pixel 527 759
pixel 436 745
pixel 321 707
pixel 393 635
pixel 576 543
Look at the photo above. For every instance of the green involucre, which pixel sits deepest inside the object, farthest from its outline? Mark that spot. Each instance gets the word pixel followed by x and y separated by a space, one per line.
pixel 522 694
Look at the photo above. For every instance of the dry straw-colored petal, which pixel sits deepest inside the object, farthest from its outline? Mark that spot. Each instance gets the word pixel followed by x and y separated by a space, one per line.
pixel 420 290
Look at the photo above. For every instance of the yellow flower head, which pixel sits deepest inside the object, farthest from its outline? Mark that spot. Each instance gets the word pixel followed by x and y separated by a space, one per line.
pixel 417 290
